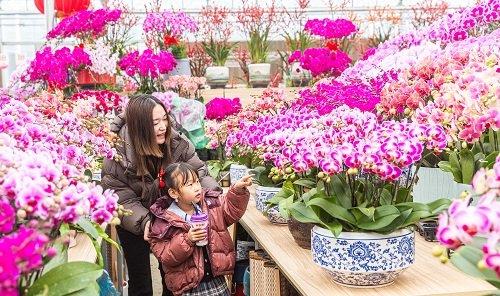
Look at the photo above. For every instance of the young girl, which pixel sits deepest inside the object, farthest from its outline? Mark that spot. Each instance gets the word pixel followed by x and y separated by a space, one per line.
pixel 191 269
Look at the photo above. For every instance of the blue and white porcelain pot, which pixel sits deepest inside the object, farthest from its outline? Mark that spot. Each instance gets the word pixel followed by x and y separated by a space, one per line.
pixel 263 194
pixel 236 172
pixel 363 259
pixel 274 216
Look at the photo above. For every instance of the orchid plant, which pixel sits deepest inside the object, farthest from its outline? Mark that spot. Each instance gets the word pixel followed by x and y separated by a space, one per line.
pixel 56 69
pixel 472 230
pixel 186 86
pixel 458 91
pixel 44 194
pixel 164 31
pixel 146 68
pixel 344 170
pixel 220 120
pixel 86 25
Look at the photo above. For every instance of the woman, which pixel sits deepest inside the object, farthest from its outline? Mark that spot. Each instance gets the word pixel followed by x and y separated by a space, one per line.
pixel 149 144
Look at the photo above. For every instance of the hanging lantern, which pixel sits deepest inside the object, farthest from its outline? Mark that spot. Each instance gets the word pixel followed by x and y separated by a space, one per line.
pixel 64 8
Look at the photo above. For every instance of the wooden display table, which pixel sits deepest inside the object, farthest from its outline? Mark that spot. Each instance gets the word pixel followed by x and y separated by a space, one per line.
pixel 426 277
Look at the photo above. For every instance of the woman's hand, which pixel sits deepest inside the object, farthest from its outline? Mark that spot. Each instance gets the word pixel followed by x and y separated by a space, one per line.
pixel 196 234
pixel 243 182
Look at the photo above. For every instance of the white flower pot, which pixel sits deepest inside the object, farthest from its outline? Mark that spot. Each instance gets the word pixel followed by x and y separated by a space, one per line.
pixel 299 76
pixel 259 74
pixel 236 172
pixel 217 76
pixel 434 184
pixel 96 176
pixel 182 68
pixel 364 260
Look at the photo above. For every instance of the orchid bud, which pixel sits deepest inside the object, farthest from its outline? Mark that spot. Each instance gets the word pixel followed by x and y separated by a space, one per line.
pixel 438 250
pixel 115 221
pixel 321 175
pixel 481 265
pixel 288 170
pixel 464 145
pixel 407 111
pixel 328 180
pixel 443 258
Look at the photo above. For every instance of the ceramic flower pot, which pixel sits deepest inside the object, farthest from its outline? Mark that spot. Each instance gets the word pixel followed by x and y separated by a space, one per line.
pixel 259 74
pixel 217 76
pixel 273 215
pixel 263 194
pixel 87 77
pixel 366 260
pixel 299 76
pixel 301 232
pixel 433 184
pixel 236 172
pixel 182 68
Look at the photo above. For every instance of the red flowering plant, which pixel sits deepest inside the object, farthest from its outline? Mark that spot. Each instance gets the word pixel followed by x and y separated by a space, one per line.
pixel 104 101
pixel 199 60
pixel 258 23
pixel 216 28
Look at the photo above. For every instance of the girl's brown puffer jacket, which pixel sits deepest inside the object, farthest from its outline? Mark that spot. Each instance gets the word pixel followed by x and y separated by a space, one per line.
pixel 181 259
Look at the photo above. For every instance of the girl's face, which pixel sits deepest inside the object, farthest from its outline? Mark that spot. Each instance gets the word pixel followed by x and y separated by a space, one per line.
pixel 160 123
pixel 189 192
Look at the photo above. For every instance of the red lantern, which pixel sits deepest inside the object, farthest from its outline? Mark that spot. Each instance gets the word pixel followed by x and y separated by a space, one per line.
pixel 65 7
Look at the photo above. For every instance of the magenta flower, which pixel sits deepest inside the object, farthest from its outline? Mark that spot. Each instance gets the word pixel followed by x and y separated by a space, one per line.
pixel 220 108
pixel 146 68
pixel 53 68
pixel 8 217
pixel 322 60
pixel 85 24
pixel 329 29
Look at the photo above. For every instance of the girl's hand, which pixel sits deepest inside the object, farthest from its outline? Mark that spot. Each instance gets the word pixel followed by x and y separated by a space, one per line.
pixel 243 182
pixel 196 234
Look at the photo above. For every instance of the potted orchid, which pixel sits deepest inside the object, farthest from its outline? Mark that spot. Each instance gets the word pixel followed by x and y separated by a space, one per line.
pixel 295 39
pixel 165 30
pixel 328 60
pixel 56 69
pixel 90 29
pixel 146 68
pixel 258 23
pixel 353 180
pixel 185 86
pixel 216 29
pixel 221 120
pixel 53 198
pixel 443 88
pixel 470 229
